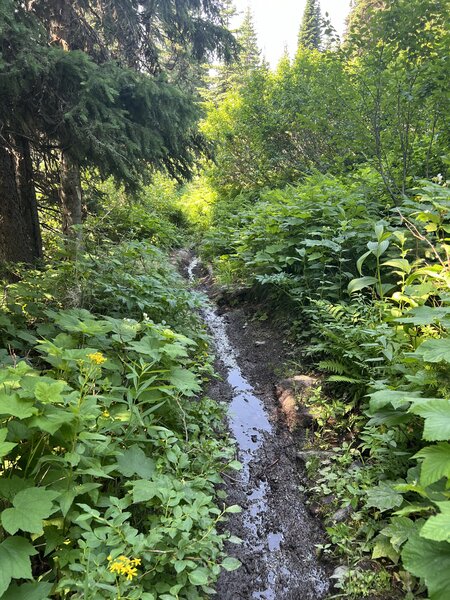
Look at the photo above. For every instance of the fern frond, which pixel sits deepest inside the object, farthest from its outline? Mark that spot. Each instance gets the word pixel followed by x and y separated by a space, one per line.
pixel 344 379
pixel 333 366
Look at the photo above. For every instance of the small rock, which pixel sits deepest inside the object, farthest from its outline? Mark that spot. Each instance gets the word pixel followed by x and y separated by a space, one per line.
pixel 342 514
pixel 254 438
pixel 326 500
pixel 260 343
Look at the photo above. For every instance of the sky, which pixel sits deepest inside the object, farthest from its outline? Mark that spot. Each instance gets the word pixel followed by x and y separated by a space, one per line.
pixel 278 22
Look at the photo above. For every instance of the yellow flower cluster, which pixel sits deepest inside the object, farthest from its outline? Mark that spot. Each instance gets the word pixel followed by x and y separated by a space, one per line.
pixel 97 358
pixel 124 566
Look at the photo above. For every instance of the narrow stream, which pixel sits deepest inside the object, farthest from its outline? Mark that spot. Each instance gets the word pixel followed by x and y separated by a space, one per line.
pixel 249 423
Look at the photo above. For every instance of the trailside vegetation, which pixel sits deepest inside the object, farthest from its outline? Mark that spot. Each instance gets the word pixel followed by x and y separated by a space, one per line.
pixel 110 454
pixel 324 191
pixel 332 207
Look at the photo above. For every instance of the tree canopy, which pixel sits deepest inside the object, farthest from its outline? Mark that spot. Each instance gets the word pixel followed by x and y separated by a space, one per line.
pixel 91 85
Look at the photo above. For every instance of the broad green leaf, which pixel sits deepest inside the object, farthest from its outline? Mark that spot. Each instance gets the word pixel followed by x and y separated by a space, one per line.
pixel 381 398
pixel 399 530
pixel 231 564
pixel 412 509
pixel 199 576
pixel 436 413
pixel 30 508
pixel 124 330
pixel 384 496
pixel 15 561
pixel 5 447
pixel 143 490
pixel 79 320
pixel 434 351
pixel 184 381
pixel 399 263
pixel 29 591
pixel 404 488
pixel 49 392
pixel 430 561
pixel 133 461
pixel 378 248
pixel 174 350
pixel 384 548
pixel 356 285
pixel 10 486
pixel 435 464
pixel 52 418
pixel 148 346
pixel 424 315
pixel 438 527
pixel 14 406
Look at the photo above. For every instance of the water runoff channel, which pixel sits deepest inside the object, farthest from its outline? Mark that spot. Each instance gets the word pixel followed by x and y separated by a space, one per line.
pixel 277 576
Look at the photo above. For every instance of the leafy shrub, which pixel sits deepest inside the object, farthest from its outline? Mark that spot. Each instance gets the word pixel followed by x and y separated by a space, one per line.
pixel 109 459
pixel 150 215
pixel 299 242
pixel 367 290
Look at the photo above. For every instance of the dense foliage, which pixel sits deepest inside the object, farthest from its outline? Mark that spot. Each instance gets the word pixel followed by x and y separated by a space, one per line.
pixel 332 208
pixel 109 455
pixel 328 200
pixel 109 87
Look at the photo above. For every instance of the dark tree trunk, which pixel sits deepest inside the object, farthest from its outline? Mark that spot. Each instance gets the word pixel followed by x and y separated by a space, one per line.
pixel 20 239
pixel 70 196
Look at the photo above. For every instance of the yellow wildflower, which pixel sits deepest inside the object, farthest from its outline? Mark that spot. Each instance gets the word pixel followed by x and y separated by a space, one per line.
pixel 124 566
pixel 97 358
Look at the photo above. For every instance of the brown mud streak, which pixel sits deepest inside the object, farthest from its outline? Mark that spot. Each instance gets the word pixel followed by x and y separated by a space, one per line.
pixel 279 534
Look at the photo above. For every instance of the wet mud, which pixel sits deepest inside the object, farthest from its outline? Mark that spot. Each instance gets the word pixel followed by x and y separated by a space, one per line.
pixel 279 535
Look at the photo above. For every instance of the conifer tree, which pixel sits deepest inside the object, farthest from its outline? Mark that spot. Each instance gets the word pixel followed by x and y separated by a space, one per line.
pixel 234 74
pixel 80 88
pixel 310 30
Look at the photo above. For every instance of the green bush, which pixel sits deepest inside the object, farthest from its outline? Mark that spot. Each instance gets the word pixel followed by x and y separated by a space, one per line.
pixel 150 215
pixel 109 455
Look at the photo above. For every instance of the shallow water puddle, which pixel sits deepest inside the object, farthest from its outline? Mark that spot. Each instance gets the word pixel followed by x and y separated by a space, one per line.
pixel 251 428
pixel 248 422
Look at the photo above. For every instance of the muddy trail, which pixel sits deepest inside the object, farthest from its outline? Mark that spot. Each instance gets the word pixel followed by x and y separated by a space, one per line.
pixel 278 554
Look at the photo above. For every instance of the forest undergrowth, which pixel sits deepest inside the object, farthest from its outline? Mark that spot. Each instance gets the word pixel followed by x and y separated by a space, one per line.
pixel 321 187
pixel 366 294
pixel 110 452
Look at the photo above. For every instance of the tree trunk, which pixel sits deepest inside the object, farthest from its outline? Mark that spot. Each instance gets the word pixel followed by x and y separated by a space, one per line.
pixel 20 239
pixel 70 197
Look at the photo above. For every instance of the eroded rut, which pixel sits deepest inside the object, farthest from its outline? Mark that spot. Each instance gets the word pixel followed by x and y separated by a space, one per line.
pixel 278 553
